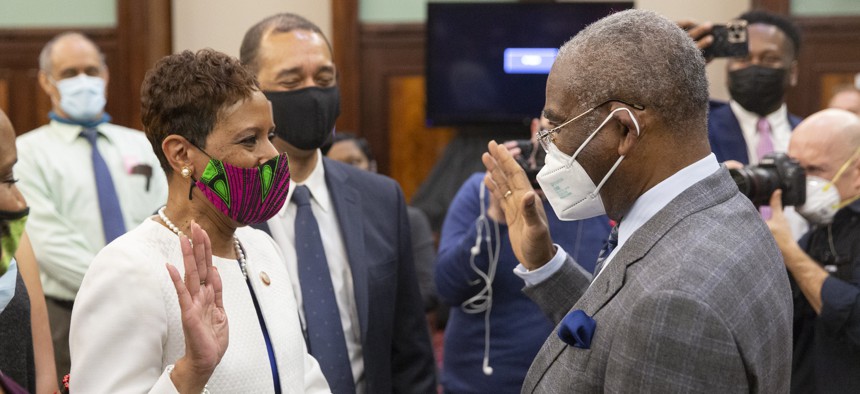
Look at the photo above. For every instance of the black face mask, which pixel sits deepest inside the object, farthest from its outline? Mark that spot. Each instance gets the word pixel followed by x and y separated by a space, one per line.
pixel 305 117
pixel 758 89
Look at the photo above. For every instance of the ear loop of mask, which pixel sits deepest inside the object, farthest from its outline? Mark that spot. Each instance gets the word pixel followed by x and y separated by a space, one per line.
pixel 836 177
pixel 590 137
pixel 193 180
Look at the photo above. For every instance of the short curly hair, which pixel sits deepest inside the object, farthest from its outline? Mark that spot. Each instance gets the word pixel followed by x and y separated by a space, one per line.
pixel 185 93
pixel 782 23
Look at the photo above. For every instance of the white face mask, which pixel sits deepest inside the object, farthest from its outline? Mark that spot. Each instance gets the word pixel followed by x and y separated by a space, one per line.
pixel 822 201
pixel 567 186
pixel 82 97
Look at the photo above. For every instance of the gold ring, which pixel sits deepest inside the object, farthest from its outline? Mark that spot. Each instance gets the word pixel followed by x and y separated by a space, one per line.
pixel 508 193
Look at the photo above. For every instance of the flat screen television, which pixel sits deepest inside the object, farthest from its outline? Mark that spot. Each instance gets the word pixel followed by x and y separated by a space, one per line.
pixel 487 63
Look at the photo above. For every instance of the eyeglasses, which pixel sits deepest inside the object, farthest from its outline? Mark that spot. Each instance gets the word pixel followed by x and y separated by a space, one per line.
pixel 546 136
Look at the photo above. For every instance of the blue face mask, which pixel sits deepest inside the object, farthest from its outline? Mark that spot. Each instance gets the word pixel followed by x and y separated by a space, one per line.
pixel 82 98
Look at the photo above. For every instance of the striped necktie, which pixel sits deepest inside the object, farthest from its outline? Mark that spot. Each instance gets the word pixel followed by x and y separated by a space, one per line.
pixel 610 244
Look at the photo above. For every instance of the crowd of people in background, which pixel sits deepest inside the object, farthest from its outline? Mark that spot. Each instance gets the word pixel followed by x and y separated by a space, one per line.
pixel 238 243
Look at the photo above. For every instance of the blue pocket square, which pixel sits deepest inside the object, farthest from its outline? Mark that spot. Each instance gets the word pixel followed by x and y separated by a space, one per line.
pixel 577 329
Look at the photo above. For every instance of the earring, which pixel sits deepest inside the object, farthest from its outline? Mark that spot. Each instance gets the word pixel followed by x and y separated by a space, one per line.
pixel 186 172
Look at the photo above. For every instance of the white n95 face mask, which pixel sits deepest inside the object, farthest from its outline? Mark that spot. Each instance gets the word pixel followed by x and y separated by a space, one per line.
pixel 82 97
pixel 822 201
pixel 567 186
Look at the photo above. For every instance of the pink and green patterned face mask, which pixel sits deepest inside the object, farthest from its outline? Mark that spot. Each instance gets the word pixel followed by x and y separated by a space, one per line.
pixel 246 195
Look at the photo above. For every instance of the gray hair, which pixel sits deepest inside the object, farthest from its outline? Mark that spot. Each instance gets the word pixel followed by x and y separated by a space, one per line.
pixel 643 58
pixel 45 63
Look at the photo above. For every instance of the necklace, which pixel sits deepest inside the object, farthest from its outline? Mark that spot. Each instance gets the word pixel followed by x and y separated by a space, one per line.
pixel 239 251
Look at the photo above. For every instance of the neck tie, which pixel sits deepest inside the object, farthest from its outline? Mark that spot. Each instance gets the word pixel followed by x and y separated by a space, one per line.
pixel 610 244
pixel 765 146
pixel 112 221
pixel 326 340
pixel 765 141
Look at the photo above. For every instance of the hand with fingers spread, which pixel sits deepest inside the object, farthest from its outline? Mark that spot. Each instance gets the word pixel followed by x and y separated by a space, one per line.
pixel 204 321
pixel 526 219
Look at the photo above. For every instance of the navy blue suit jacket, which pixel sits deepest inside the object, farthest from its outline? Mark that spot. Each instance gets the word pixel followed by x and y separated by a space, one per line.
pixel 725 134
pixel 371 211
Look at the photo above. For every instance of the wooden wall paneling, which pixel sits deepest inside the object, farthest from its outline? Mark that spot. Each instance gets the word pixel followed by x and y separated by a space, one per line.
pixel 346 43
pixel 829 47
pixel 386 51
pixel 4 91
pixel 776 6
pixel 414 148
pixel 144 37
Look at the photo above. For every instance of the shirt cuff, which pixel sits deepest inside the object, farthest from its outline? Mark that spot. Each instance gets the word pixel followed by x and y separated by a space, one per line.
pixel 535 277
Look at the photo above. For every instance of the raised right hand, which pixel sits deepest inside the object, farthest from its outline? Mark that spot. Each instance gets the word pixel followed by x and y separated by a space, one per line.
pixel 699 32
pixel 204 321
pixel 527 224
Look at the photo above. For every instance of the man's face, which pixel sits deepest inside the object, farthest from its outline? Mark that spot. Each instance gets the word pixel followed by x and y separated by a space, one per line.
pixel 70 57
pixel 294 60
pixel 559 108
pixel 821 153
pixel 768 47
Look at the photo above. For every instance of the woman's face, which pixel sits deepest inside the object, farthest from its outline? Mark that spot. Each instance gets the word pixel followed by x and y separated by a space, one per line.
pixel 11 199
pixel 241 136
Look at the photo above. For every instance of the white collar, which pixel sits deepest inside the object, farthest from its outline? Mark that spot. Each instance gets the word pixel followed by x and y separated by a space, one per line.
pixel 316 185
pixel 655 199
pixel 751 118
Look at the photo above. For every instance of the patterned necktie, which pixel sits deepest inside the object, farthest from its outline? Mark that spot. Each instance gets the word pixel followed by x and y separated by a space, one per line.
pixel 765 140
pixel 112 221
pixel 765 146
pixel 326 340
pixel 610 244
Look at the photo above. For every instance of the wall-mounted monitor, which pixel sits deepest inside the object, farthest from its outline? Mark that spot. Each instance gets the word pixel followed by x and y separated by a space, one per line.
pixel 487 63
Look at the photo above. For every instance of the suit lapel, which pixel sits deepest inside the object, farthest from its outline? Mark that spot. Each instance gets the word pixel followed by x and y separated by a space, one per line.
pixel 348 207
pixel 714 189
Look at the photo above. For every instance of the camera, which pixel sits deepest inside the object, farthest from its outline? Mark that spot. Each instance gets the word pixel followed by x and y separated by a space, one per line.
pixel 531 160
pixel 730 40
pixel 775 171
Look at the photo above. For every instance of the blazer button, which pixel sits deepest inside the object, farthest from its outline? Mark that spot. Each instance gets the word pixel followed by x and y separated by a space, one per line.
pixel 265 278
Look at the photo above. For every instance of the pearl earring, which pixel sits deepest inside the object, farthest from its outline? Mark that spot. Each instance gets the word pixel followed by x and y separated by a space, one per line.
pixel 186 172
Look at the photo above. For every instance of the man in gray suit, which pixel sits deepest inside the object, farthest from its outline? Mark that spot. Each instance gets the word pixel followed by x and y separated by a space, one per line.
pixel 694 297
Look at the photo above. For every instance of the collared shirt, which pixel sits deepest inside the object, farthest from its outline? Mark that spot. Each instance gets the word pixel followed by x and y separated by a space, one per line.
pixel 282 227
pixel 780 129
pixel 643 209
pixel 57 179
pixel 8 282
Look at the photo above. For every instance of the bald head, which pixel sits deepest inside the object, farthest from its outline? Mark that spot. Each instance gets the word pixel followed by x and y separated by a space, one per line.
pixel 63 45
pixel 826 142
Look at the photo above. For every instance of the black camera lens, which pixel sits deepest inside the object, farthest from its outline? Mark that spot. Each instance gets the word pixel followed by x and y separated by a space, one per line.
pixel 756 183
pixel 775 171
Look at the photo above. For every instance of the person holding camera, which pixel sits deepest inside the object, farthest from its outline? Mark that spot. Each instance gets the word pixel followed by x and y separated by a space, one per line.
pixel 494 330
pixel 825 264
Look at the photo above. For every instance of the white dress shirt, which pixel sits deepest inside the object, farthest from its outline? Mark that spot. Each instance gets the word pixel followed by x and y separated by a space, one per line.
pixel 282 227
pixel 780 129
pixel 65 224
pixel 643 209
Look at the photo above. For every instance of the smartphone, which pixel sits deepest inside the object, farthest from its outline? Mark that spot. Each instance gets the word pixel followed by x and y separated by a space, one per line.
pixel 730 40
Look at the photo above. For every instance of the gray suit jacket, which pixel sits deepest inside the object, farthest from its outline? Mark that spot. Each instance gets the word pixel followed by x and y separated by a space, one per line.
pixel 697 300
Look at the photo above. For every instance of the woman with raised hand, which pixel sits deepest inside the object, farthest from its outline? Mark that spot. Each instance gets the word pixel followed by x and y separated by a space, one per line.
pixel 138 327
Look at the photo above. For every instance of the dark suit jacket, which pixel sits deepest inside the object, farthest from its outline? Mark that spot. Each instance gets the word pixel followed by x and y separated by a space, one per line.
pixel 374 225
pixel 697 300
pixel 725 134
